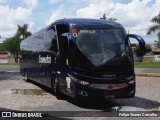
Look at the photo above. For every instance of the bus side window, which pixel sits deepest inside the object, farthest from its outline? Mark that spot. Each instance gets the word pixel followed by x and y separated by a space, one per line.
pixel 51 35
pixel 63 48
pixel 54 46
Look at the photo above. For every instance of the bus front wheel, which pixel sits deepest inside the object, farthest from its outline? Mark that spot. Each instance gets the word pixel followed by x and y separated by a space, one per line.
pixel 57 92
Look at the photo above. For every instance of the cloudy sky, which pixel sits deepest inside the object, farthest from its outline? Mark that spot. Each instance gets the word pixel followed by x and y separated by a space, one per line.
pixel 134 15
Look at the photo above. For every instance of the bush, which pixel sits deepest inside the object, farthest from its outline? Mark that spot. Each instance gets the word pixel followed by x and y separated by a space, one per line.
pixel 142 53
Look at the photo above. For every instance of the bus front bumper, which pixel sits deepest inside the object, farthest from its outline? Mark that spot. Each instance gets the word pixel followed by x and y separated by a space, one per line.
pixel 104 91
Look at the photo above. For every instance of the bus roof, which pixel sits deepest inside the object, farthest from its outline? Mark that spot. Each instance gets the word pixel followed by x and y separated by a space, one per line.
pixel 87 22
pixel 84 22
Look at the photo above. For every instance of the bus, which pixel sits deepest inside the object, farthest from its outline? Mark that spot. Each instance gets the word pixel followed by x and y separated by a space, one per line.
pixel 81 58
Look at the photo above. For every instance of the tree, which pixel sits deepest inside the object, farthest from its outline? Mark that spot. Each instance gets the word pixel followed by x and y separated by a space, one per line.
pixel 155 27
pixel 140 53
pixel 1 47
pixel 105 18
pixel 23 31
pixel 13 45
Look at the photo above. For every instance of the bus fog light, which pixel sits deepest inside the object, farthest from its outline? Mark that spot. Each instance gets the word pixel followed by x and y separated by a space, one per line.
pixel 83 93
pixel 131 93
pixel 131 82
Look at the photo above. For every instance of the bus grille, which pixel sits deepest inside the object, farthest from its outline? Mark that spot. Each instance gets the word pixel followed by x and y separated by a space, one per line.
pixel 108 86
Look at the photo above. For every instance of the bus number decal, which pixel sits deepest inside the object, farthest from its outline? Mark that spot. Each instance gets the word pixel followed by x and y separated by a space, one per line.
pixel 68 80
pixel 87 31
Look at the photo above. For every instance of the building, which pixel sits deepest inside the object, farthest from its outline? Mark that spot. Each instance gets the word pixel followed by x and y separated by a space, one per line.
pixel 156 53
pixel 4 58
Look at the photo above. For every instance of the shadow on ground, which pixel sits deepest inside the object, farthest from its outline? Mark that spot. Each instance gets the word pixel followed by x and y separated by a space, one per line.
pixel 9 75
pixel 94 104
pixel 98 104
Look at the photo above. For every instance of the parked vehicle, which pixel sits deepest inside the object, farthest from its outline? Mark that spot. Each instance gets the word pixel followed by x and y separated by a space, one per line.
pixel 81 58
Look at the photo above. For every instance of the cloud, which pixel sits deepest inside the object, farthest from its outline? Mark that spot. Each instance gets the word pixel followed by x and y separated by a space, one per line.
pixel 12 17
pixel 4 1
pixel 31 3
pixel 96 9
pixel 134 16
pixel 62 1
pixel 53 1
pixel 59 13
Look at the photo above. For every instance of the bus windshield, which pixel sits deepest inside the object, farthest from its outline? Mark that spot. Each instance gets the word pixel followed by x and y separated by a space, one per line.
pixel 96 47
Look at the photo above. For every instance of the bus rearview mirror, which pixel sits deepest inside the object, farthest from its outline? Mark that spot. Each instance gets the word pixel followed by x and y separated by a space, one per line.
pixel 139 39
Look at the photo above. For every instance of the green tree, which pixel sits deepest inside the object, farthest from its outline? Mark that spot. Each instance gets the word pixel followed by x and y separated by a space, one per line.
pixel 155 27
pixel 13 45
pixel 140 53
pixel 23 31
pixel 105 18
pixel 1 47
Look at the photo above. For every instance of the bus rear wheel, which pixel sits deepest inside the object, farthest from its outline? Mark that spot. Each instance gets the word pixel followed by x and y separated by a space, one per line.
pixel 57 92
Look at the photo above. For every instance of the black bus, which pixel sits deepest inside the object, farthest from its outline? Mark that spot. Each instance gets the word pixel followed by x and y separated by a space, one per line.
pixel 81 58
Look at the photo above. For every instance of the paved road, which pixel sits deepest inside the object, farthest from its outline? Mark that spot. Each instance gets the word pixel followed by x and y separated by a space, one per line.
pixel 13 68
pixel 147 70
pixel 147 97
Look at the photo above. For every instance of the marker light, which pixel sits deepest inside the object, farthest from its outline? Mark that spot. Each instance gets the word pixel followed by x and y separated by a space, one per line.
pixel 66 61
pixel 74 32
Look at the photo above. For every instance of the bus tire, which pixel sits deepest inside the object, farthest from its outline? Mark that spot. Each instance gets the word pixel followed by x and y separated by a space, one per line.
pixel 57 92
pixel 26 76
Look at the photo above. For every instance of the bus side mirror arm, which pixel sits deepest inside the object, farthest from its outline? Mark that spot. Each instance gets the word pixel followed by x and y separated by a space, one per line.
pixel 139 39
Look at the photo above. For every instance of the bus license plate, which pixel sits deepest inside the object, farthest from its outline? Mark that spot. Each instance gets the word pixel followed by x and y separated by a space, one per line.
pixel 109 96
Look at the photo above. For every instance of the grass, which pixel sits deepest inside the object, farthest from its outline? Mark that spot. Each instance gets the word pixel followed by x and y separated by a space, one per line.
pixel 9 63
pixel 147 64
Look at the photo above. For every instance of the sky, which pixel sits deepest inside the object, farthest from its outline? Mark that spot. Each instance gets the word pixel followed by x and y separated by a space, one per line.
pixel 134 15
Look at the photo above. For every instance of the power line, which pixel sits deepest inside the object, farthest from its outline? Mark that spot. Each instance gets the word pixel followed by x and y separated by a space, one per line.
pixel 137 29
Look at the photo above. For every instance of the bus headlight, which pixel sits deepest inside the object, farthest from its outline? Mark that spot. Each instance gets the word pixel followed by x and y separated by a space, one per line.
pixel 83 82
pixel 131 82
pixel 78 81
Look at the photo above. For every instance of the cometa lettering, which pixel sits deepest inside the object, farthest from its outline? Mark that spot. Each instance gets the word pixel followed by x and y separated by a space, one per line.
pixel 44 59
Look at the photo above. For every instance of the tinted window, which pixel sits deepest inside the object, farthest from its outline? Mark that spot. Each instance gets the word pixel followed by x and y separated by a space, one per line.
pixel 51 36
pixel 101 45
pixel 96 47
